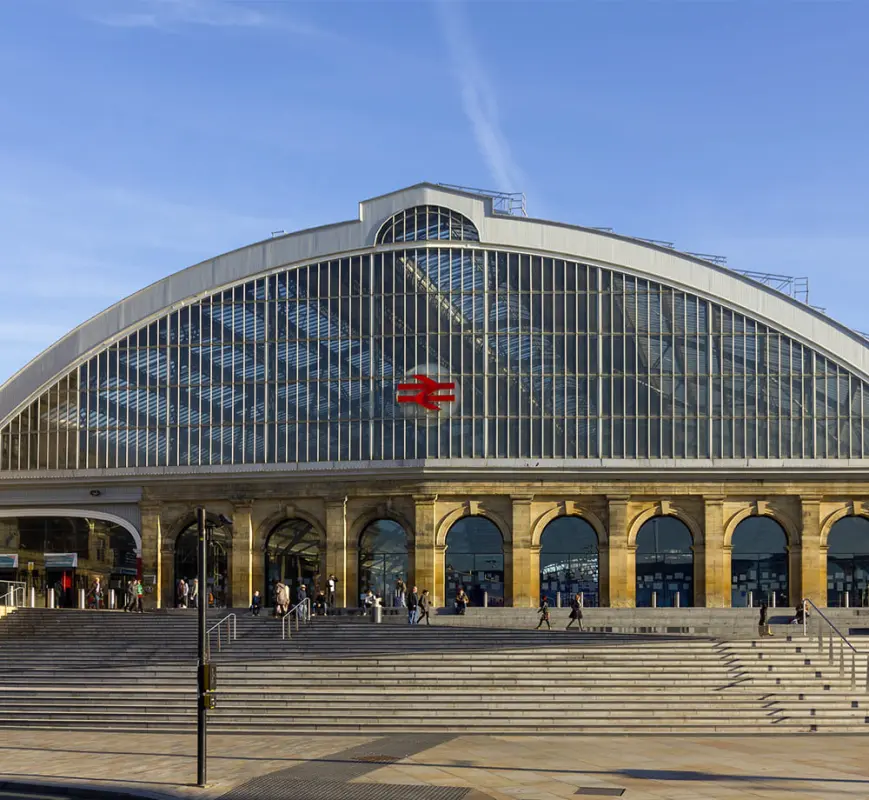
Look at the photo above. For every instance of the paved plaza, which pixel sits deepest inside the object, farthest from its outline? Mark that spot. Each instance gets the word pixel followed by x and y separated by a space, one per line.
pixel 442 767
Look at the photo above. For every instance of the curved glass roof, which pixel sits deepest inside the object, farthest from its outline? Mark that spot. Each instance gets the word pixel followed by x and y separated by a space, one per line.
pixel 539 357
pixel 425 223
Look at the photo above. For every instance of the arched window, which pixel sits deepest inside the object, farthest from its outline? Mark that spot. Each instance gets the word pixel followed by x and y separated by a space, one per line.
pixel 292 554
pixel 569 561
pixel 382 558
pixel 665 563
pixel 759 563
pixel 475 561
pixel 67 553
pixel 848 563
pixel 426 223
pixel 187 562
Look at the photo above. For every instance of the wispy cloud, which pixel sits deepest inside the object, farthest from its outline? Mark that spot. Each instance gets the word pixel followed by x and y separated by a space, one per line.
pixel 175 14
pixel 478 96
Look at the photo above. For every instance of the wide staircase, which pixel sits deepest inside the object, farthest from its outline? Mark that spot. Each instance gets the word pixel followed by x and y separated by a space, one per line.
pixel 113 671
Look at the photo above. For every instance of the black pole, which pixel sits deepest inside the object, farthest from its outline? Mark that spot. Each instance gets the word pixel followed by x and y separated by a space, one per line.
pixel 202 678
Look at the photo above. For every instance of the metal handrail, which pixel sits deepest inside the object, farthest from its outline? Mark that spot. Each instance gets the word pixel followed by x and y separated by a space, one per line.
pixel 231 631
pixel 293 613
pixel 842 642
pixel 17 586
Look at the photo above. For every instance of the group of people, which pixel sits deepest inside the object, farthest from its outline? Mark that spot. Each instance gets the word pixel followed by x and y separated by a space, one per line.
pixel 134 595
pixel 763 629
pixel 188 593
pixel 418 604
pixel 546 614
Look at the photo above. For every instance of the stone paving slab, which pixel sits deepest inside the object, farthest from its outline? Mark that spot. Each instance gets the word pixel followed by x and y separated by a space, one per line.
pixel 496 767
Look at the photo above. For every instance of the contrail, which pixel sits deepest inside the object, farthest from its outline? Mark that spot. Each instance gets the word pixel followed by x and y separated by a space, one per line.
pixel 478 97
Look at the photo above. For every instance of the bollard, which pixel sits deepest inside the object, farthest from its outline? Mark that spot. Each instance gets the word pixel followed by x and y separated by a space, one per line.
pixel 558 599
pixel 51 598
pixel 485 599
pixel 113 599
pixel 750 598
pixel 772 605
pixel 582 599
pixel 654 599
pixel 82 601
pixel 847 599
pixel 678 600
pixel 33 597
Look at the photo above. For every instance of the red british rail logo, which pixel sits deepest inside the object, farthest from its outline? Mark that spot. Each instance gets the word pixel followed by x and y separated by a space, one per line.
pixel 426 392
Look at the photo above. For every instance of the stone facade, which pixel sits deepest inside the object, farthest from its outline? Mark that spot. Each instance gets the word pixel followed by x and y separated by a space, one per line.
pixel 521 511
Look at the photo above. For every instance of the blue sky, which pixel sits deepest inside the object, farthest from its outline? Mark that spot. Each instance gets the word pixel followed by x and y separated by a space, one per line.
pixel 140 136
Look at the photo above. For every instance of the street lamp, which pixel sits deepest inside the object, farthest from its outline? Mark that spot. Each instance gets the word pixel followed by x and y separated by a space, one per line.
pixel 205 673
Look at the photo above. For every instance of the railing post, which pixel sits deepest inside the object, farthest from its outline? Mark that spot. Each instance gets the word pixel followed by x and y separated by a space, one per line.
pixel 806 617
pixel 820 637
pixel 853 671
pixel 831 648
pixel 841 659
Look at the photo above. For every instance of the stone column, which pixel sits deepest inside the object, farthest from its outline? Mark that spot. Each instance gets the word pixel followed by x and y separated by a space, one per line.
pixel 522 591
pixel 715 559
pixel 424 572
pixel 240 589
pixel 813 562
pixel 151 562
pixel 337 551
pixel 621 560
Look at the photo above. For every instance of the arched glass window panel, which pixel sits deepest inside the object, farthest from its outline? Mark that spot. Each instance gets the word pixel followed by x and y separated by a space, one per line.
pixel 665 563
pixel 292 555
pixel 848 563
pixel 427 223
pixel 569 562
pixel 383 559
pixel 759 563
pixel 475 561
pixel 217 563
pixel 67 553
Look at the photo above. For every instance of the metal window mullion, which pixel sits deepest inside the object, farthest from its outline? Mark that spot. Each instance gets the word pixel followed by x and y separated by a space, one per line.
pixel 600 332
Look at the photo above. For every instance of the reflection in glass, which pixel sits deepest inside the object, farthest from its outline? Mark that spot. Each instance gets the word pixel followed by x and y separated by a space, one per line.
pixel 383 558
pixel 848 563
pixel 292 554
pixel 569 561
pixel 474 560
pixel 759 563
pixel 665 563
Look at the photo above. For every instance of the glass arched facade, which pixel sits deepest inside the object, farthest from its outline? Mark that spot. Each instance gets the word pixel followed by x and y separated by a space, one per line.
pixel 759 563
pixel 665 563
pixel 292 554
pixel 383 558
pixel 217 563
pixel 544 358
pixel 474 561
pixel 569 562
pixel 848 563
pixel 427 223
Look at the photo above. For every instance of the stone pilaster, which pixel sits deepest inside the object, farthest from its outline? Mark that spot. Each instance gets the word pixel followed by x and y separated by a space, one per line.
pixel 424 568
pixel 813 562
pixel 712 560
pixel 240 589
pixel 524 588
pixel 337 552
pixel 152 555
pixel 621 559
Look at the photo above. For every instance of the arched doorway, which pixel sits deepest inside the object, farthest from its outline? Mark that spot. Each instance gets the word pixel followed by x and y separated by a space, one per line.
pixel 848 563
pixel 292 554
pixel 665 563
pixel 382 558
pixel 217 563
pixel 475 560
pixel 759 563
pixel 569 561
pixel 65 553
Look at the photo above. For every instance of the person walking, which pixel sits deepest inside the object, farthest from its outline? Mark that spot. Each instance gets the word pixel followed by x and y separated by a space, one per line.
pixel 400 593
pixel 194 594
pixel 332 585
pixel 131 597
pixel 98 594
pixel 140 597
pixel 424 608
pixel 762 624
pixel 256 603
pixel 301 605
pixel 282 598
pixel 544 613
pixel 412 606
pixel 575 612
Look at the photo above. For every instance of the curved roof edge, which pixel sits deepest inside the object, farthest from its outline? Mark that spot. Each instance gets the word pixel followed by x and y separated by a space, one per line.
pixel 634 256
